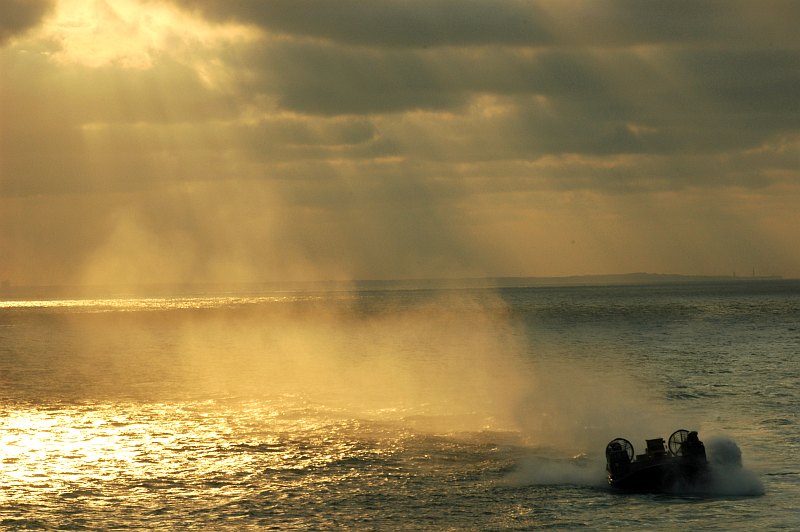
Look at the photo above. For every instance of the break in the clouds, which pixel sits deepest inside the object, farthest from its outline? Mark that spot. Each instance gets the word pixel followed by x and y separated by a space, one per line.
pixel 172 140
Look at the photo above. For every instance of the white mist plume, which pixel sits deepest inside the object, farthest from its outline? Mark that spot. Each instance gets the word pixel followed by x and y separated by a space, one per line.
pixel 728 476
pixel 447 357
pixel 449 354
pixel 575 408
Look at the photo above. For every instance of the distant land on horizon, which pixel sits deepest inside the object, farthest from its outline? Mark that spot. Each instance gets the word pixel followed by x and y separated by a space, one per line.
pixel 569 280
pixel 640 278
pixel 205 289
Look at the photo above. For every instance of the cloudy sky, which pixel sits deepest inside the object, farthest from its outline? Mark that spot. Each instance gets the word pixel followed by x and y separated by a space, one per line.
pixel 157 141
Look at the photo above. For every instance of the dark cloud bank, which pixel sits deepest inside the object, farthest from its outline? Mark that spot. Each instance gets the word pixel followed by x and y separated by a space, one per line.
pixel 18 16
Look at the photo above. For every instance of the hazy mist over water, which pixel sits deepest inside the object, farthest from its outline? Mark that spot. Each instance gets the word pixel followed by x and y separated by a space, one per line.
pixel 461 408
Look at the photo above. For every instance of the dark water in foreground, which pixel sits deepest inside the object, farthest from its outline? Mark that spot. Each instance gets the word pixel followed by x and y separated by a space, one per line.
pixel 459 409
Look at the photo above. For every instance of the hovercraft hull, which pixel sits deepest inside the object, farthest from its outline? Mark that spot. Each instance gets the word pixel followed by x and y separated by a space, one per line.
pixel 680 466
pixel 671 474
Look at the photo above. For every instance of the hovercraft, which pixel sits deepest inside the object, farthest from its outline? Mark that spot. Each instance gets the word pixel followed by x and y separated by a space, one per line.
pixel 680 465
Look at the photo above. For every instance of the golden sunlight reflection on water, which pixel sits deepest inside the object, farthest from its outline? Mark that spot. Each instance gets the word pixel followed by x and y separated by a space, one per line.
pixel 139 450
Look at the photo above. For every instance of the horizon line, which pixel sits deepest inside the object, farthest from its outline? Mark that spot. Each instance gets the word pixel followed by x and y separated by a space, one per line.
pixel 505 281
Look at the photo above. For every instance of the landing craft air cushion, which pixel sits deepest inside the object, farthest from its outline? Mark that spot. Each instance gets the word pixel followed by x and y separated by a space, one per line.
pixel 681 465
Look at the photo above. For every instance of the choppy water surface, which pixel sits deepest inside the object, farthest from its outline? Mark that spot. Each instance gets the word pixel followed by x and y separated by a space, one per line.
pixel 462 409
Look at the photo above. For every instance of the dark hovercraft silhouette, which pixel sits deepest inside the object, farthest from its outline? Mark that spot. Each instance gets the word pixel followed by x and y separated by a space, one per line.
pixel 682 465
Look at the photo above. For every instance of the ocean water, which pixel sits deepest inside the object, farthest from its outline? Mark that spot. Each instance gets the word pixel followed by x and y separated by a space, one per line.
pixel 458 409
